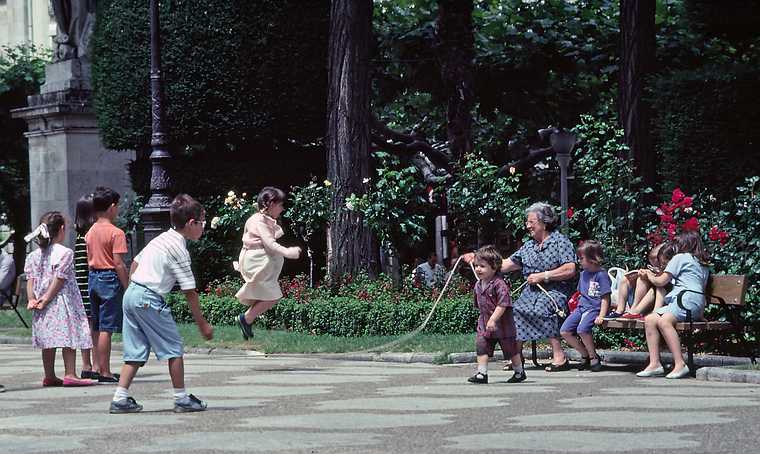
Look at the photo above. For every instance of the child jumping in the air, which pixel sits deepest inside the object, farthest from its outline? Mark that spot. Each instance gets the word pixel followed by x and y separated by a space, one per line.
pixel 496 323
pixel 59 318
pixel 148 321
pixel 261 259
pixel 594 286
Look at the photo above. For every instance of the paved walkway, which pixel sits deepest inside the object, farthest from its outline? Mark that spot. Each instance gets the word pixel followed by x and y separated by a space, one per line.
pixel 304 404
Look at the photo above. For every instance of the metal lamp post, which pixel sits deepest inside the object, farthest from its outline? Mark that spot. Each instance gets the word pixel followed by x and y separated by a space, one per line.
pixel 563 142
pixel 155 214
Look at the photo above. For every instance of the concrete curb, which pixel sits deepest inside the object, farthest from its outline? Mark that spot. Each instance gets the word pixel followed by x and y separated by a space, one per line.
pixel 728 375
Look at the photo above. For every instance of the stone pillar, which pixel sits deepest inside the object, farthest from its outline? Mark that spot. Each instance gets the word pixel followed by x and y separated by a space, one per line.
pixel 66 156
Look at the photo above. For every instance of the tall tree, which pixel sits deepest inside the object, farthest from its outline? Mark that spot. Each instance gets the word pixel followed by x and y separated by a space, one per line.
pixel 637 62
pixel 350 245
pixel 455 49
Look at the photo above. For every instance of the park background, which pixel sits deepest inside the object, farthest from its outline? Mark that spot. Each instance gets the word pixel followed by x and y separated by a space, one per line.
pixel 662 96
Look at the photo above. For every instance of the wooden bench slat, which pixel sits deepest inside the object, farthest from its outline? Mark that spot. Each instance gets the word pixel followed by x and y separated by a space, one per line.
pixel 730 287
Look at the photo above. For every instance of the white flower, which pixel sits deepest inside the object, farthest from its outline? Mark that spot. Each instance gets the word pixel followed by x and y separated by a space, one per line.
pixel 365 181
pixel 243 194
pixel 512 170
pixel 327 183
pixel 688 210
pixel 349 205
pixel 215 222
pixel 231 194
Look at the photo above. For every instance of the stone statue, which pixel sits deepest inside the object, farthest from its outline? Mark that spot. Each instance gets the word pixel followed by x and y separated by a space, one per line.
pixel 76 22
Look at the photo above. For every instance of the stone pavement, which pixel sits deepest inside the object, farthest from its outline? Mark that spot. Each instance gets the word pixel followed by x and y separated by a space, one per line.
pixel 307 404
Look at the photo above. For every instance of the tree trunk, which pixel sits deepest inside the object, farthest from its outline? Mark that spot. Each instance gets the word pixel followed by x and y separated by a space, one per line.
pixel 348 134
pixel 456 53
pixel 637 61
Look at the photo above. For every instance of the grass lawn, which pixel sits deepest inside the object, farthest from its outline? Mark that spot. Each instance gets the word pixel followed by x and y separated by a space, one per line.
pixel 285 341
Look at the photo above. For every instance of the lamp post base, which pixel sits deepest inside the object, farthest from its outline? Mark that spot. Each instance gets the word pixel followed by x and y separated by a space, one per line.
pixel 155 221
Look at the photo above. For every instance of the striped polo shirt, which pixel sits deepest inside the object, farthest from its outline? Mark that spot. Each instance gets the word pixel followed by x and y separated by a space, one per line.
pixel 163 263
pixel 81 271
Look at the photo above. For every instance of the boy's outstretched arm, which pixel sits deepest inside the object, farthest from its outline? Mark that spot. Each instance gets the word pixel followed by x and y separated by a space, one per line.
pixel 207 331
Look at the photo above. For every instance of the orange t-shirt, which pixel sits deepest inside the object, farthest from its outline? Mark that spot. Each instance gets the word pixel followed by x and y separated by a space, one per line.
pixel 103 241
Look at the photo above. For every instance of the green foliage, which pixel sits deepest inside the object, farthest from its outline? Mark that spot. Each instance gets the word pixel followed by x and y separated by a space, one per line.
pixel 309 208
pixel 609 204
pixel 235 71
pixel 704 127
pixel 22 71
pixel 394 205
pixel 740 217
pixel 354 307
pixel 480 201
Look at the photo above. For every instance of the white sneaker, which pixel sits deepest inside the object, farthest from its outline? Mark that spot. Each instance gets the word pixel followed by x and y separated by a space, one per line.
pixel 683 373
pixel 659 372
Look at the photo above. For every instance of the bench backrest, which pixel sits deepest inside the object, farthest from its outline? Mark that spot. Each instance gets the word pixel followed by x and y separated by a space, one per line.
pixel 731 287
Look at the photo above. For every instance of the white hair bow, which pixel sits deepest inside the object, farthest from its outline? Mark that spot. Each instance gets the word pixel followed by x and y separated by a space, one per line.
pixel 41 230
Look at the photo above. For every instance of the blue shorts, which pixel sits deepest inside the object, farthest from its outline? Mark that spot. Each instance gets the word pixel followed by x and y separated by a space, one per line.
pixel 148 324
pixel 580 321
pixel 105 300
pixel 671 306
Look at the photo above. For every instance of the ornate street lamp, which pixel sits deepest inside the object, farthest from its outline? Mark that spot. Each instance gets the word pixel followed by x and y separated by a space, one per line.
pixel 562 143
pixel 155 214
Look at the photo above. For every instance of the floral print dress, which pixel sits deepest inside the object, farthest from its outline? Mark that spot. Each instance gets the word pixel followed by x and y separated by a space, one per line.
pixel 63 322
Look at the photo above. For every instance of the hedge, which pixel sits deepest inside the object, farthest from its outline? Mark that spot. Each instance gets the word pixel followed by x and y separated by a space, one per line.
pixel 341 316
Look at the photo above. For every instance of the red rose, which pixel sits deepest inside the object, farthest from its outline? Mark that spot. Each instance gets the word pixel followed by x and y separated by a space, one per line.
pixel 666 219
pixel 665 209
pixel 687 201
pixel 671 231
pixel 570 213
pixel 218 291
pixel 691 224
pixel 723 237
pixel 714 233
pixel 677 196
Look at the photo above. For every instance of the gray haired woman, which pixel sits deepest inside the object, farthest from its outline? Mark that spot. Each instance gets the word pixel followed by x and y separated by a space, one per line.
pixel 546 259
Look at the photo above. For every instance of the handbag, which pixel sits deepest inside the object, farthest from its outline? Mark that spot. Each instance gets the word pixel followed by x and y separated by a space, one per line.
pixel 574 302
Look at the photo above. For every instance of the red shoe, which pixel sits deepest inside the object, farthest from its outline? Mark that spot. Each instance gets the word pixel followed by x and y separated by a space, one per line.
pixel 630 316
pixel 71 382
pixel 55 381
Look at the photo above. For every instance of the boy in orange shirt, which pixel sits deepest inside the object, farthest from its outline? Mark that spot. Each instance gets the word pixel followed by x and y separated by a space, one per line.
pixel 106 244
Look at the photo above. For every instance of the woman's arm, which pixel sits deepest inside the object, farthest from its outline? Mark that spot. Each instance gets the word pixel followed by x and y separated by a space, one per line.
pixel 559 274
pixel 507 266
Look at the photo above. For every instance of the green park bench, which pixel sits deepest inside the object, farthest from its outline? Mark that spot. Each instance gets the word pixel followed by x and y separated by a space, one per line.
pixel 725 290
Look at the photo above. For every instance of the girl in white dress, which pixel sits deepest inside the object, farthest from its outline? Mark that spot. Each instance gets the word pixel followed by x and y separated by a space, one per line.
pixel 261 259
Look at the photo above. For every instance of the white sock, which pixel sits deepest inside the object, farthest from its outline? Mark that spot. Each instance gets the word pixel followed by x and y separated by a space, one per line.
pixel 483 369
pixel 179 393
pixel 120 394
pixel 517 368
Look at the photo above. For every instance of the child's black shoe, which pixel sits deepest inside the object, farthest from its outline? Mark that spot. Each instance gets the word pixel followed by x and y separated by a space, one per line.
pixel 479 378
pixel 597 366
pixel 517 377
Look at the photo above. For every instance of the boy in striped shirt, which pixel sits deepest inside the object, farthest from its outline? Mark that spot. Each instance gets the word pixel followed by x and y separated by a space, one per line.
pixel 148 322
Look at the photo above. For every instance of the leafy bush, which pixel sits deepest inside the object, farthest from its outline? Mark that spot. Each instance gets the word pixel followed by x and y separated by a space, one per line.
pixel 704 127
pixel 609 200
pixel 355 307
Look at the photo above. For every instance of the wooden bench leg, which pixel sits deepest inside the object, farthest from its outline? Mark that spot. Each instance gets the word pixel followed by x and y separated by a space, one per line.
pixel 534 354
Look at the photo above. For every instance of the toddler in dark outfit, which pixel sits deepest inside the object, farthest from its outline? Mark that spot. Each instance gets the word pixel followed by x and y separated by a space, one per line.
pixel 496 323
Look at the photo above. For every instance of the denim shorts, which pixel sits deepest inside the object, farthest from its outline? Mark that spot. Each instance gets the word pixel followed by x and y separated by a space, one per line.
pixel 105 300
pixel 580 321
pixel 148 324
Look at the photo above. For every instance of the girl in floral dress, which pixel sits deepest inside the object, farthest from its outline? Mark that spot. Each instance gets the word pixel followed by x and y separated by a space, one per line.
pixel 59 317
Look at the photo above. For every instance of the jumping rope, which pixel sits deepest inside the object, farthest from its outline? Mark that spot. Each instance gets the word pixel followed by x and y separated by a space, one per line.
pixel 557 309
